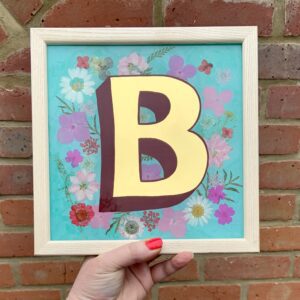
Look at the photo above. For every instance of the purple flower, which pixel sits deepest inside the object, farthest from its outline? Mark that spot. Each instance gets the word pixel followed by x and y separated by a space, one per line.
pixel 73 127
pixel 224 214
pixel 215 194
pixel 74 158
pixel 151 172
pixel 179 70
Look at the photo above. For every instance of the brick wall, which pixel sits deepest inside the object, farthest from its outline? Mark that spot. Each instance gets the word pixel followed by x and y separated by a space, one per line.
pixel 272 274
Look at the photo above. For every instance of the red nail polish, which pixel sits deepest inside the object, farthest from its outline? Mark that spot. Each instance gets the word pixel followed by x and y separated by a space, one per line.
pixel 153 244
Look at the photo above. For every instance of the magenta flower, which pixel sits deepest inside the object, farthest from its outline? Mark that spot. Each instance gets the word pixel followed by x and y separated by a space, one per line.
pixel 215 194
pixel 83 62
pixel 179 70
pixel 74 158
pixel 151 172
pixel 218 150
pixel 224 214
pixel 73 127
pixel 101 219
pixel 174 222
pixel 215 101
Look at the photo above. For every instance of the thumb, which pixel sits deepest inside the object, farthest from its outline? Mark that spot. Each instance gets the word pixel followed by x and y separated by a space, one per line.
pixel 130 254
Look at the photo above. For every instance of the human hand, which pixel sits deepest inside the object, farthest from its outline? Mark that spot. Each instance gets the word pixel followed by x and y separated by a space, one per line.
pixel 124 273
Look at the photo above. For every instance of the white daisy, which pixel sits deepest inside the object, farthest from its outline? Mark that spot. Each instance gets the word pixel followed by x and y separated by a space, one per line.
pixel 131 227
pixel 78 83
pixel 198 210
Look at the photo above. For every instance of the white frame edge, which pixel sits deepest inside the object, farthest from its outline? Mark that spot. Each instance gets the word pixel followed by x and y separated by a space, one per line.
pixel 41 37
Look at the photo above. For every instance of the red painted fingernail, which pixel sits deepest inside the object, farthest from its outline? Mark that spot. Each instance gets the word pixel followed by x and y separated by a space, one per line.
pixel 153 244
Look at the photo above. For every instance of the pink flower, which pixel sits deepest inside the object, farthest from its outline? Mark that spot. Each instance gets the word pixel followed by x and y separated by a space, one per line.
pixel 90 146
pixel 101 219
pixel 81 214
pixel 215 194
pixel 174 222
pixel 224 214
pixel 73 127
pixel 218 150
pixel 227 133
pixel 74 158
pixel 133 64
pixel 150 219
pixel 83 185
pixel 151 172
pixel 83 62
pixel 215 101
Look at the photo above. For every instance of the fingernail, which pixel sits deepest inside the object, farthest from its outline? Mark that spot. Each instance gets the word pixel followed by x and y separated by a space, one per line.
pixel 153 244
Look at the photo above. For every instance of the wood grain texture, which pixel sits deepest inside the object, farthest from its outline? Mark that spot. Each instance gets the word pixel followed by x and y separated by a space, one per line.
pixel 41 37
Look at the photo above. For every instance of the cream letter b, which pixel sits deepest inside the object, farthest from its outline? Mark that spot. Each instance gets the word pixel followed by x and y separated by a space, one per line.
pixel 181 152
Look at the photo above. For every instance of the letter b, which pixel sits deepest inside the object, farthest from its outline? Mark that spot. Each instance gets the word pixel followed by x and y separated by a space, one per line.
pixel 181 152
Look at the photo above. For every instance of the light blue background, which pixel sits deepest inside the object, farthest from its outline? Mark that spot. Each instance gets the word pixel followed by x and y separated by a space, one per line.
pixel 223 57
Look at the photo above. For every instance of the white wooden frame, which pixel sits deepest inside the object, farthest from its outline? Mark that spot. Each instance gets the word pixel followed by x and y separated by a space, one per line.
pixel 41 37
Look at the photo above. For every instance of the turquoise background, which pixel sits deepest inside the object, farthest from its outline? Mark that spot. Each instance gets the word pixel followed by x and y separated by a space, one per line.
pixel 223 57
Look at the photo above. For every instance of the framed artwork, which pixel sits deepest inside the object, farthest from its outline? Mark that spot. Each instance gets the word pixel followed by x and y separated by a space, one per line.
pixel 145 132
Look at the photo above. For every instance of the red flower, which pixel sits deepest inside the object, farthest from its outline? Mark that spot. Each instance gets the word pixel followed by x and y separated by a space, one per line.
pixel 227 133
pixel 150 219
pixel 83 62
pixel 90 146
pixel 81 214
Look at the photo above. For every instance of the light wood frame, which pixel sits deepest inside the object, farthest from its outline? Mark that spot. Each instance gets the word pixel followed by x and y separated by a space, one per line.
pixel 41 37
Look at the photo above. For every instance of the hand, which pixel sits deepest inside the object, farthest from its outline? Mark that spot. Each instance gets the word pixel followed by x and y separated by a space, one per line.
pixel 124 273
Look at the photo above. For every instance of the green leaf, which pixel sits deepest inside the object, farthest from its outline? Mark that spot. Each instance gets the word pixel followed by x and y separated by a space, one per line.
pixel 229 199
pixel 225 175
pixel 232 189
pixel 236 184
pixel 159 53
pixel 95 126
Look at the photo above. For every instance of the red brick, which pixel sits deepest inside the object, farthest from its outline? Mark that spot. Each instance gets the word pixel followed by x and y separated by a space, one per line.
pixel 200 292
pixel 219 13
pixel 23 11
pixel 280 238
pixel 284 102
pixel 72 269
pixel 94 13
pixel 17 212
pixel 279 61
pixel 18 61
pixel 297 267
pixel 6 276
pixel 247 267
pixel 42 273
pixel 16 244
pixel 3 35
pixel 279 139
pixel 280 175
pixel 274 291
pixel 277 207
pixel 15 179
pixel 15 142
pixel 30 295
pixel 15 104
pixel 46 273
pixel 292 15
